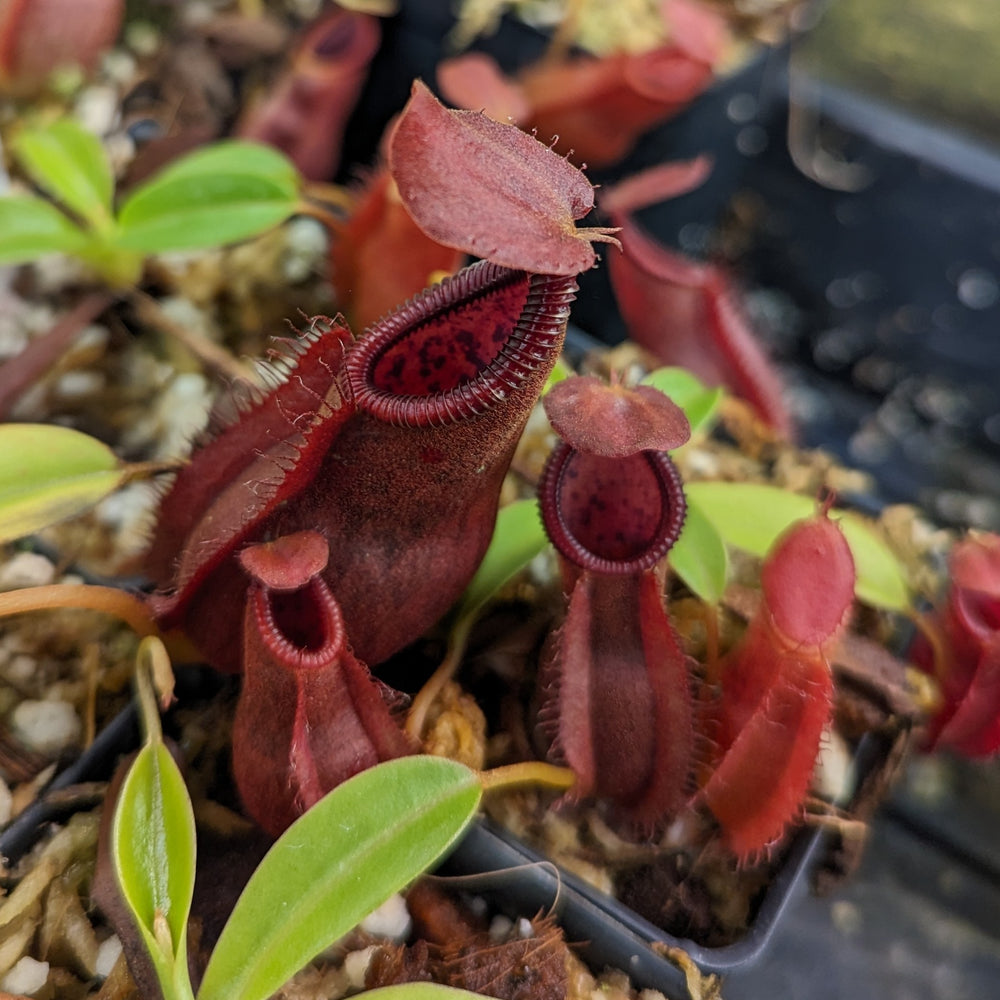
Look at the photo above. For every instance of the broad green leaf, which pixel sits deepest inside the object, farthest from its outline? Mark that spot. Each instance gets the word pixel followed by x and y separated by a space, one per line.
pixel 678 383
pixel 882 580
pixel 420 991
pixel 365 840
pixel 517 538
pixel 701 410
pixel 699 403
pixel 233 157
pixel 69 163
pixel 31 228
pixel 699 556
pixel 153 847
pixel 48 474
pixel 749 515
pixel 752 515
pixel 198 210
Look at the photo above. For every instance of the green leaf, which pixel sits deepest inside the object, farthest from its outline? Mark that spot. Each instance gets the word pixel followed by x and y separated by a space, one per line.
pixel 365 840
pixel 31 228
pixel 420 991
pixel 699 403
pixel 678 383
pixel 699 556
pixel 153 849
pixel 202 210
pixel 69 163
pixel 752 515
pixel 220 194
pixel 702 410
pixel 152 841
pixel 234 157
pixel 882 580
pixel 48 474
pixel 517 538
pixel 749 515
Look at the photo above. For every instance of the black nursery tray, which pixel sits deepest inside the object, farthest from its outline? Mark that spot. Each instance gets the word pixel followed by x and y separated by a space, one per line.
pixel 606 933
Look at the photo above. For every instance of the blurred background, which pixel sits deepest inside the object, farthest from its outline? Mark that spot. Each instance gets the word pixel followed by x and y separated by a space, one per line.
pixel 856 194
pixel 875 198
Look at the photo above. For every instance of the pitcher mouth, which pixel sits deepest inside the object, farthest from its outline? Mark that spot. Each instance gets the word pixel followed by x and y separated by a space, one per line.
pixel 612 548
pixel 304 629
pixel 461 347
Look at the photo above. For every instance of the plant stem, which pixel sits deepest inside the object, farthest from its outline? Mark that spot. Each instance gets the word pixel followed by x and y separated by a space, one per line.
pixel 528 772
pixel 87 597
pixel 423 700
pixel 136 471
pixel 929 630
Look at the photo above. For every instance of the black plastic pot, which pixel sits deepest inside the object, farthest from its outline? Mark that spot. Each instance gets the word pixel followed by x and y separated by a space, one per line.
pixel 606 933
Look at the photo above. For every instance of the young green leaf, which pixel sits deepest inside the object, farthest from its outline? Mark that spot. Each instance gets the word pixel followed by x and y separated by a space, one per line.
pixel 517 538
pixel 153 845
pixel 233 157
pixel 420 991
pixel 699 403
pixel 152 840
pixel 678 383
pixel 69 163
pixel 31 228
pixel 699 556
pixel 219 194
pixel 49 473
pixel 365 840
pixel 197 210
pixel 752 515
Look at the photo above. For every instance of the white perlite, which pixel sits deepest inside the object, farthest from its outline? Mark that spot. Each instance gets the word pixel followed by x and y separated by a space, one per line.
pixel 107 954
pixel 391 920
pixel 46 726
pixel 26 569
pixel 6 803
pixel 356 966
pixel 27 977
